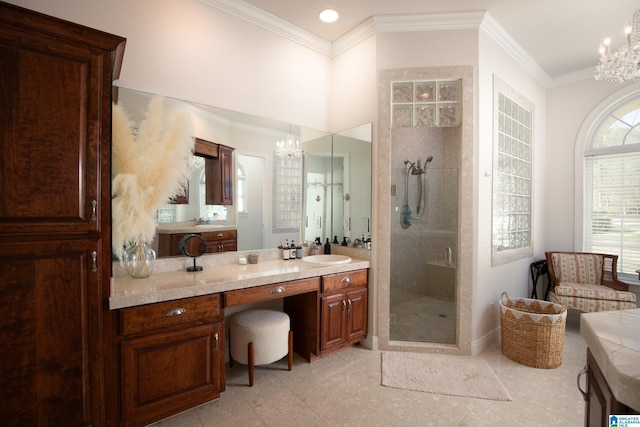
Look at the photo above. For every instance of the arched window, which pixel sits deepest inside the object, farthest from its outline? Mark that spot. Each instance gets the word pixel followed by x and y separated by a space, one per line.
pixel 611 185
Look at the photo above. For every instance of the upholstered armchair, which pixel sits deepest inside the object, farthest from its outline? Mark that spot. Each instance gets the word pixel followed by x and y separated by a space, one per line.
pixel 587 282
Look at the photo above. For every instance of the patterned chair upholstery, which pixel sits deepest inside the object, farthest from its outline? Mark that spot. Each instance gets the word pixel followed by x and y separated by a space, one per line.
pixel 587 282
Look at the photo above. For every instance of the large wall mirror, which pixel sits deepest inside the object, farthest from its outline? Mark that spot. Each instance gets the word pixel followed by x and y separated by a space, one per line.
pixel 337 186
pixel 272 193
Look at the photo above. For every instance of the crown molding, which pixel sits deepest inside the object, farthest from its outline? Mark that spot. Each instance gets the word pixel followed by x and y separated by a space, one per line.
pixel 428 22
pixel 361 32
pixel 272 23
pixel 478 20
pixel 574 77
pixel 504 39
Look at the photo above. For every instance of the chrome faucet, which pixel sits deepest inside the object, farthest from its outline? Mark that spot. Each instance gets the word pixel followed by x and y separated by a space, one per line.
pixel 315 248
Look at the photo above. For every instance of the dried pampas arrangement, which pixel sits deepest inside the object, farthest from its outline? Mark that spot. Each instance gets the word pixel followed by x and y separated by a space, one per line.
pixel 149 167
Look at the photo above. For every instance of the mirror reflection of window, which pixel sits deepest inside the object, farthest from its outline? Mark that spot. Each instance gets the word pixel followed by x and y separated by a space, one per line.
pixel 242 190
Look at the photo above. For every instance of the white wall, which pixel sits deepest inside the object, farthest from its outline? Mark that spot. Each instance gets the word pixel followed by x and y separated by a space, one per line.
pixel 188 50
pixel 354 87
pixel 511 277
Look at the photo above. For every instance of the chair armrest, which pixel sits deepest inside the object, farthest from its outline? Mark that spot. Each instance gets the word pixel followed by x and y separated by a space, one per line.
pixel 610 274
pixel 553 279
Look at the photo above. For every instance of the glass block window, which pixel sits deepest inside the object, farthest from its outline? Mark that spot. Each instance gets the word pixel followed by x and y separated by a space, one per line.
pixel 287 194
pixel 512 176
pixel 425 103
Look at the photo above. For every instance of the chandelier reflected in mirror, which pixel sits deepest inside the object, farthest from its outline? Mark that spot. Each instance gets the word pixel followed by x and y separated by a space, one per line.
pixel 289 148
pixel 622 65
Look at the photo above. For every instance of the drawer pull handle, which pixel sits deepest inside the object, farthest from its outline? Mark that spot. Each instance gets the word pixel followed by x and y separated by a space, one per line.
pixel 94 210
pixel 174 312
pixel 94 257
pixel 277 290
pixel 584 371
pixel 346 279
pixel 349 302
pixel 217 338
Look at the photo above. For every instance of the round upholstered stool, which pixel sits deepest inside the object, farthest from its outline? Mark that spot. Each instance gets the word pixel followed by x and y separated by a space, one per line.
pixel 260 337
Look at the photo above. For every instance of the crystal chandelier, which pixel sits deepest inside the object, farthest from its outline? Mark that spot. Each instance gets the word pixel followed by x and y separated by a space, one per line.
pixel 621 66
pixel 289 148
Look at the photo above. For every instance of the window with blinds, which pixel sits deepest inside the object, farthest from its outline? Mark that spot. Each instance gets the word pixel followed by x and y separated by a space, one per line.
pixel 612 188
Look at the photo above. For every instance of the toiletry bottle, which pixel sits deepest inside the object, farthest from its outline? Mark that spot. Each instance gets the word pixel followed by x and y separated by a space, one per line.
pixel 335 240
pixel 299 250
pixel 285 250
pixel 344 241
pixel 327 247
pixel 292 250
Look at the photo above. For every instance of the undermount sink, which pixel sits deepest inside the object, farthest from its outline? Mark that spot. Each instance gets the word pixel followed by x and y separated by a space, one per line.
pixel 327 259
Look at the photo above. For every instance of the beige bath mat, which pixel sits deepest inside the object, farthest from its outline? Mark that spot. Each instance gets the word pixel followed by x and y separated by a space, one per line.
pixel 451 375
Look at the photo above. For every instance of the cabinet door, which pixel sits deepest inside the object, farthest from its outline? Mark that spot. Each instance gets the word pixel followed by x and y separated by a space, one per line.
pixel 170 372
pixel 357 315
pixel 225 159
pixel 601 401
pixel 55 129
pixel 332 318
pixel 50 334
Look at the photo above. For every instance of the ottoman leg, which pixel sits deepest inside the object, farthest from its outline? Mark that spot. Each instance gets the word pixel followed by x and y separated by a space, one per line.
pixel 250 362
pixel 290 354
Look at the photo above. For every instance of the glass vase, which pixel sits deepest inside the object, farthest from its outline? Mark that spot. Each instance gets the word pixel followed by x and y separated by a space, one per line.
pixel 139 259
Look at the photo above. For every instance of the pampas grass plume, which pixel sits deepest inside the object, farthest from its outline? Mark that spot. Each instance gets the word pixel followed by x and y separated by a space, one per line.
pixel 148 168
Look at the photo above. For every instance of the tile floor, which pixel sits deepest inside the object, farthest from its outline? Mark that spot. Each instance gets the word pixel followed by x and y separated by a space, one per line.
pixel 345 390
pixel 439 314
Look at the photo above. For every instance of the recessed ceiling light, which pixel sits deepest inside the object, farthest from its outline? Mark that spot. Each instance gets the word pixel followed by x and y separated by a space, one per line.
pixel 329 16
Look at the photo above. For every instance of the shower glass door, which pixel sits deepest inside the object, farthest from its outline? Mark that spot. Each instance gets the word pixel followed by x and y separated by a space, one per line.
pixel 423 251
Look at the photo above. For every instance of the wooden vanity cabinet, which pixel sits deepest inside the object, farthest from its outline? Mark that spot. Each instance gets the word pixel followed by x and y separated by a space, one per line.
pixel 216 241
pixel 600 401
pixel 343 310
pixel 221 241
pixel 55 215
pixel 172 357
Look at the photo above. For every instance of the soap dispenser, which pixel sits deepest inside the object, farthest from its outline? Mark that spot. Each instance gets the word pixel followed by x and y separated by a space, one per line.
pixel 327 247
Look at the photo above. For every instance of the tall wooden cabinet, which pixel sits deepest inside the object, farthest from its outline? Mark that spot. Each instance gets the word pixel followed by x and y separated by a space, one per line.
pixel 55 134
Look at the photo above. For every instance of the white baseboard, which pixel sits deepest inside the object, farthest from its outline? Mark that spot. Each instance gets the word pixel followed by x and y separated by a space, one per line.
pixel 480 345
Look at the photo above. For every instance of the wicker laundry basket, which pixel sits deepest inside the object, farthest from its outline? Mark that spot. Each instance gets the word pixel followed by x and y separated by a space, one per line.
pixel 532 331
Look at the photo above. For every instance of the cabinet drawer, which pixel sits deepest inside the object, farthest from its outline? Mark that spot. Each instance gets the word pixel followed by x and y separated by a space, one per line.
pixel 213 236
pixel 341 281
pixel 153 316
pixel 269 292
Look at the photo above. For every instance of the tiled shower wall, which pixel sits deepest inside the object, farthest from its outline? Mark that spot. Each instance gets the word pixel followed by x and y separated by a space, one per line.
pixel 435 228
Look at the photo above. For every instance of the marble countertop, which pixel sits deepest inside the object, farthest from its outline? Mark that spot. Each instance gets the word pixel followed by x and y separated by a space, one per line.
pixel 191 227
pixel 614 340
pixel 221 272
